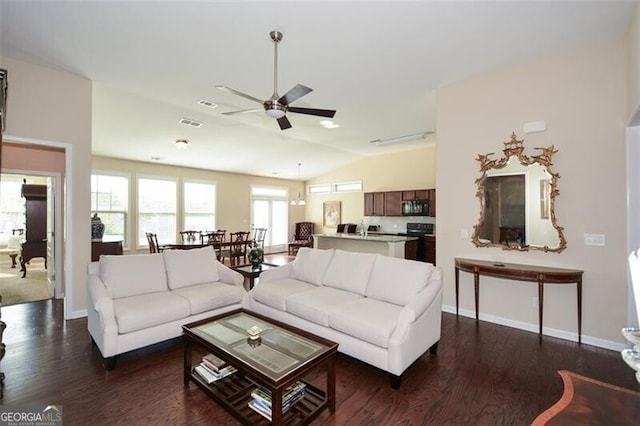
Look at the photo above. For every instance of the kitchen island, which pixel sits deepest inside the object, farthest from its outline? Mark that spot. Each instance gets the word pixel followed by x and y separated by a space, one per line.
pixel 387 245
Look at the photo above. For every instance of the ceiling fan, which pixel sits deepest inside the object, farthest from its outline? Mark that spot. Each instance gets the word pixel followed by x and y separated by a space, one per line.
pixel 277 106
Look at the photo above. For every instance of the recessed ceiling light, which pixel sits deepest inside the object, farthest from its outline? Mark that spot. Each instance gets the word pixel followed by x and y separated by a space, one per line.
pixel 182 144
pixel 206 103
pixel 328 124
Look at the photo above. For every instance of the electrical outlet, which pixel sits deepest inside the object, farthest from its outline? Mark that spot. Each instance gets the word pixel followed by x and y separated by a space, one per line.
pixel 595 240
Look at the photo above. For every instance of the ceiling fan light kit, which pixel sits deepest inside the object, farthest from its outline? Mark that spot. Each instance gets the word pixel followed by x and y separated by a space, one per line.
pixel 277 106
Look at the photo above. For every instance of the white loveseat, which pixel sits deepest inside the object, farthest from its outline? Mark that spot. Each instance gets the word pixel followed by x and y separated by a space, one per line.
pixel 138 300
pixel 381 310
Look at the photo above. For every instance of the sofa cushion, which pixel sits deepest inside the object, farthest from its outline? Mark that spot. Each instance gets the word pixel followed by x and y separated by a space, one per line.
pixel 132 275
pixel 205 297
pixel 349 271
pixel 147 310
pixel 310 265
pixel 366 319
pixel 275 293
pixel 314 305
pixel 190 267
pixel 397 280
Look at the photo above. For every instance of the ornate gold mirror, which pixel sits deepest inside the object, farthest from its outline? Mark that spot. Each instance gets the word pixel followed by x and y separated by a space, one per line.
pixel 517 196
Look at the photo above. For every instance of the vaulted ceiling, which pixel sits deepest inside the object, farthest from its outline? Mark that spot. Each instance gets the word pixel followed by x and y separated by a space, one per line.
pixel 377 63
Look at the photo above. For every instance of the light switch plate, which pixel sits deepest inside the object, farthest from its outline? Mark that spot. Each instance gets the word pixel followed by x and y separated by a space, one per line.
pixel 595 240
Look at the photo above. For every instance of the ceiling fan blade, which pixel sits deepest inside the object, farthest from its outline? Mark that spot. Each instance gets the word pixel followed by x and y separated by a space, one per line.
pixel 235 92
pixel 313 111
pixel 242 111
pixel 295 93
pixel 284 123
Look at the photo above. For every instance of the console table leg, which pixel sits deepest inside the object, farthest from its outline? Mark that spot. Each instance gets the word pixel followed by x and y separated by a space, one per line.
pixel 579 286
pixel 457 288
pixel 476 290
pixel 540 302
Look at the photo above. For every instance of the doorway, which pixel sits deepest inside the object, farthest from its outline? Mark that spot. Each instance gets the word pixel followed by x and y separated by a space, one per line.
pixel 269 210
pixel 38 279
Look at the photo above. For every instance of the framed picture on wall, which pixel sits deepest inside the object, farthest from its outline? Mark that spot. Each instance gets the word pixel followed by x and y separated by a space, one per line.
pixel 330 214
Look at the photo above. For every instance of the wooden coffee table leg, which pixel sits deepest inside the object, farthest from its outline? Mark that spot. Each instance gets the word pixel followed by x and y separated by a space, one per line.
pixel 331 384
pixel 187 360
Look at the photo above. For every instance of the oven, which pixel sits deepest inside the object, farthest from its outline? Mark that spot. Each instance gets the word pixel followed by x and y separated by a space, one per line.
pixel 420 230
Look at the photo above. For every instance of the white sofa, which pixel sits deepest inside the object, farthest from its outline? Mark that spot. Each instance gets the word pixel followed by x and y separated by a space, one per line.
pixel 138 300
pixel 381 310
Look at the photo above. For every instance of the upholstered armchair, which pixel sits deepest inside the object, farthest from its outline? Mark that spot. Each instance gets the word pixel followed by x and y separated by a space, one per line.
pixel 303 237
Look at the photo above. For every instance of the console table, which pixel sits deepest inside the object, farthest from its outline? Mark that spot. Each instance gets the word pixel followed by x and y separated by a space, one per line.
pixel 512 271
pixel 105 247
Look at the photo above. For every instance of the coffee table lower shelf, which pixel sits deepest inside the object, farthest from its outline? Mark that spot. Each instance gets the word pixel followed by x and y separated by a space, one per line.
pixel 233 393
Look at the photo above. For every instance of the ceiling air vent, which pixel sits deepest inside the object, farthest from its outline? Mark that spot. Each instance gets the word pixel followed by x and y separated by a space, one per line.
pixel 206 103
pixel 190 122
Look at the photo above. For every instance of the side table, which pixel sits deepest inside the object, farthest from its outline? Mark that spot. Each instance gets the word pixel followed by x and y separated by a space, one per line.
pixel 251 273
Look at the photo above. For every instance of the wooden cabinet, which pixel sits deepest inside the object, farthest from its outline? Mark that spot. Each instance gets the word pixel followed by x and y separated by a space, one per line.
pixel 430 249
pixel 393 203
pixel 419 194
pixel 374 203
pixel 105 247
pixel 389 203
pixel 411 250
pixel 35 244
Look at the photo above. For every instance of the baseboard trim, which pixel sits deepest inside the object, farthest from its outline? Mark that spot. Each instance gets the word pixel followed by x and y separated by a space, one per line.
pixel 546 331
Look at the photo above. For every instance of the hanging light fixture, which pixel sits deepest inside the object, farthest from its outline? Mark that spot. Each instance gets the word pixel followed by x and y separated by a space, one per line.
pixel 300 201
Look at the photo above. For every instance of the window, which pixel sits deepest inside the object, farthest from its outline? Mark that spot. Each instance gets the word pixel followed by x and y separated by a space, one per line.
pixel 12 210
pixel 322 188
pixel 269 210
pixel 199 206
pixel 347 186
pixel 156 210
pixel 110 200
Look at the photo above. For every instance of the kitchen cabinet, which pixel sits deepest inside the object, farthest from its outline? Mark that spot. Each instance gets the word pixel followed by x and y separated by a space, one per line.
pixel 431 196
pixel 411 250
pixel 374 203
pixel 430 249
pixel 389 203
pixel 419 194
pixel 393 203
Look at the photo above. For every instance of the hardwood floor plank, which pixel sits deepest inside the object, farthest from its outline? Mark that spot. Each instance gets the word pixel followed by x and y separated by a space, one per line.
pixel 483 374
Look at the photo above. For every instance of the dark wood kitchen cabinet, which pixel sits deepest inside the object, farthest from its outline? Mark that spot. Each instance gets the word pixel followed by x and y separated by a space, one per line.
pixel 419 194
pixel 393 203
pixel 411 250
pixel 374 204
pixel 431 196
pixel 430 249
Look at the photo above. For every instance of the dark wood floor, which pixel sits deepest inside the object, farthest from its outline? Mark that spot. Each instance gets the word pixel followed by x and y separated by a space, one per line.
pixel 486 375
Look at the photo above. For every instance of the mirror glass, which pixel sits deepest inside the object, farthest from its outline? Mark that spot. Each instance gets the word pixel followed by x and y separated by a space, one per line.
pixel 517 196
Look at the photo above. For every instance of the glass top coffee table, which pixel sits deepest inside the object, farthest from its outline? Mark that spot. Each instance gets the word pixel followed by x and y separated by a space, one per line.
pixel 277 360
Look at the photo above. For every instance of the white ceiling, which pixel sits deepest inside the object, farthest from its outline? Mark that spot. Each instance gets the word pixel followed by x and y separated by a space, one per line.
pixel 377 63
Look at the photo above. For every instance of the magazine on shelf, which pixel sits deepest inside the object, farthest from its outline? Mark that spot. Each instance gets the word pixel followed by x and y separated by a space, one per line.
pixel 211 376
pixel 292 394
pixel 213 362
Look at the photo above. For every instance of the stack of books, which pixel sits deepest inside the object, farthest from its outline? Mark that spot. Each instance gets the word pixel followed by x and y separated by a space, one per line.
pixel 261 402
pixel 213 368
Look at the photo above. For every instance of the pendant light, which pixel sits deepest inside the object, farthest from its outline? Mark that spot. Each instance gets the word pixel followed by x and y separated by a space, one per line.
pixel 300 201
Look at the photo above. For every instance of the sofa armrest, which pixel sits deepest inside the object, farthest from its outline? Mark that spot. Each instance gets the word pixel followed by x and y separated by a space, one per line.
pixel 275 274
pixel 101 302
pixel 229 276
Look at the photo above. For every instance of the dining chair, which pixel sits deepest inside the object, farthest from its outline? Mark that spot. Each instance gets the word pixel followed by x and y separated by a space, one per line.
pixel 152 239
pixel 259 235
pixel 190 236
pixel 216 239
pixel 238 242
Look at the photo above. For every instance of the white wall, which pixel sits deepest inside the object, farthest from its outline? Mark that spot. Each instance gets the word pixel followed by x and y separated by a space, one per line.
pixel 54 108
pixel 633 69
pixel 581 96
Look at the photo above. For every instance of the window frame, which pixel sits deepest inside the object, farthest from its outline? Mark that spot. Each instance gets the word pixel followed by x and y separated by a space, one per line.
pixel 126 243
pixel 142 244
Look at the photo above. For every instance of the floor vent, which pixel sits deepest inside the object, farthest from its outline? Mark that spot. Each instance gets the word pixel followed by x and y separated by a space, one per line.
pixel 190 122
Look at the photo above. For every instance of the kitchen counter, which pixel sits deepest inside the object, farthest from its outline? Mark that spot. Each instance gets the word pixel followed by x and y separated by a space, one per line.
pixel 388 245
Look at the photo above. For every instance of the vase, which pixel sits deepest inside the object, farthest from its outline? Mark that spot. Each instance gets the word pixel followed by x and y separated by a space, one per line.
pixel 255 255
pixel 97 228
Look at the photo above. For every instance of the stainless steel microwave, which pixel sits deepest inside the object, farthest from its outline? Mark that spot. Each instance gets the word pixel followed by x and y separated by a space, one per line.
pixel 415 208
